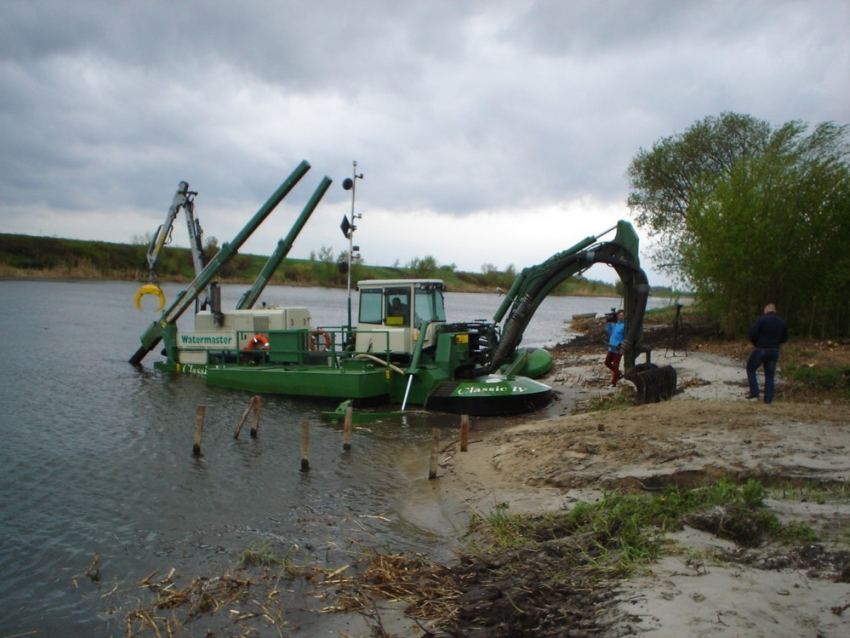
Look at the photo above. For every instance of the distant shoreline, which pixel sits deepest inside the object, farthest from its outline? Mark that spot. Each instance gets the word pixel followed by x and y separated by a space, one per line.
pixel 50 275
pixel 24 257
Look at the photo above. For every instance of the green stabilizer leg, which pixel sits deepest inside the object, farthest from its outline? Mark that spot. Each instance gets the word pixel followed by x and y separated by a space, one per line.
pixel 151 337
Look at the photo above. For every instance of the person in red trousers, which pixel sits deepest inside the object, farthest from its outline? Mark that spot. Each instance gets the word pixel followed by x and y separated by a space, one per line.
pixel 616 333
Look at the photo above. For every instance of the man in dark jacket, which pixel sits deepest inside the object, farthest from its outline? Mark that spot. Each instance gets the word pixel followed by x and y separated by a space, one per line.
pixel 766 334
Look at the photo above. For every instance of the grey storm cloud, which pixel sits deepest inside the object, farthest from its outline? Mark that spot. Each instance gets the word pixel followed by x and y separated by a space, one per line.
pixel 457 108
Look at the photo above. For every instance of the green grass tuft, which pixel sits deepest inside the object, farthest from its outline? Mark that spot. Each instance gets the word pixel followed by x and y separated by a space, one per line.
pixel 264 555
pixel 622 531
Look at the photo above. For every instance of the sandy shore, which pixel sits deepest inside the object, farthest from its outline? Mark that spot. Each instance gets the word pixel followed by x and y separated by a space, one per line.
pixel 708 430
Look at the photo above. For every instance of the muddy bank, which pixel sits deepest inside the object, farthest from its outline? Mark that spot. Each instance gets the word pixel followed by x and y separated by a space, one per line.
pixel 705 585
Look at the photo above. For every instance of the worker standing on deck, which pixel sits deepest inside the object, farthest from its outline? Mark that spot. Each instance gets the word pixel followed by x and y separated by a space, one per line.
pixel 616 333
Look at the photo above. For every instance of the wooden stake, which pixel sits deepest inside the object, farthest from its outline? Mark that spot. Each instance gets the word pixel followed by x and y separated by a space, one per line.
pixel 435 449
pixel 199 428
pixel 244 416
pixel 256 423
pixel 464 432
pixel 346 428
pixel 305 446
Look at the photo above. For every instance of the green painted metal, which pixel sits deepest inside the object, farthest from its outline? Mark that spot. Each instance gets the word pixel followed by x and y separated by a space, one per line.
pixel 289 367
pixel 308 381
pixel 628 239
pixel 359 416
pixel 529 362
pixel 539 363
pixel 490 395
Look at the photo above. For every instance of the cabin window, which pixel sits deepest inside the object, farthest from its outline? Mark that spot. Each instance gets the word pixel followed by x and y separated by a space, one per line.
pixel 371 306
pixel 429 305
pixel 398 306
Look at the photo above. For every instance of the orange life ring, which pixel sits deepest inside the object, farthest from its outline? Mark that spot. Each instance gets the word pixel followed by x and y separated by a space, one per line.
pixel 258 342
pixel 316 342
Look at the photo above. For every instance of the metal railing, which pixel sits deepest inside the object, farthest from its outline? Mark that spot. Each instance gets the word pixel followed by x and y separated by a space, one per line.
pixel 301 347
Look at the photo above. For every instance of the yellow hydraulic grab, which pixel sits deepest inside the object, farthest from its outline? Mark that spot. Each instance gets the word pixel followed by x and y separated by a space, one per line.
pixel 150 289
pixel 184 200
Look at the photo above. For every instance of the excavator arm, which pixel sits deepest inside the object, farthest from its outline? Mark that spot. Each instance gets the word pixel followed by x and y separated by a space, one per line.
pixel 535 283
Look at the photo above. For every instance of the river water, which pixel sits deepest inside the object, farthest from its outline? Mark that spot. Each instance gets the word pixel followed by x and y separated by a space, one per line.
pixel 96 457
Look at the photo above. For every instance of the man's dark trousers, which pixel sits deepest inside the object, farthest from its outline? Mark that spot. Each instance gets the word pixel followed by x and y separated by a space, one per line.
pixel 768 357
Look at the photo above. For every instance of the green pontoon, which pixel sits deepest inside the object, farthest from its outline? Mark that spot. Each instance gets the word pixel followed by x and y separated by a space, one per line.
pixel 401 350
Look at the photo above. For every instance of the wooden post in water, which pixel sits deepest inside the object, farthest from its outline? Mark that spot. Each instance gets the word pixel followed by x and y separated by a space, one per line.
pixel 244 416
pixel 435 449
pixel 346 428
pixel 199 428
pixel 305 446
pixel 255 424
pixel 464 432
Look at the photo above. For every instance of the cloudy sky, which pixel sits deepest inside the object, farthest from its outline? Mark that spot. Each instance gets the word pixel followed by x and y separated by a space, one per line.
pixel 487 131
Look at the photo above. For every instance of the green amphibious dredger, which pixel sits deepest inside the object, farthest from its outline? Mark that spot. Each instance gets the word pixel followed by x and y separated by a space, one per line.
pixel 400 350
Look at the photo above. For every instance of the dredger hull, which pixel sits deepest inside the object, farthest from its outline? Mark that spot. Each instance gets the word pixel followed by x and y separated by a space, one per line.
pixel 491 395
pixel 494 395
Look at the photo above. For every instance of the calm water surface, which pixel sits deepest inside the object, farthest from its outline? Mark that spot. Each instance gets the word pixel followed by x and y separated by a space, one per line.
pixel 95 456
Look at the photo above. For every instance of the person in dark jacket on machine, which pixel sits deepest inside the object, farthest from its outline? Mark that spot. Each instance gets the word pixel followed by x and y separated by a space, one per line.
pixel 766 334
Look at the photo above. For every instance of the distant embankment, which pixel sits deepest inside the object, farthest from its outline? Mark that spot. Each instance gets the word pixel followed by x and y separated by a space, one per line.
pixel 26 256
pixel 29 257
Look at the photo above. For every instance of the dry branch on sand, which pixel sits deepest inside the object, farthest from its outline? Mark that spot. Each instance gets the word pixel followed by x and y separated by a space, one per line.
pixel 232 598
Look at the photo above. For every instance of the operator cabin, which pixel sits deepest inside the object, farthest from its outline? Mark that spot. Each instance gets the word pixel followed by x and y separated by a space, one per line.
pixel 393 313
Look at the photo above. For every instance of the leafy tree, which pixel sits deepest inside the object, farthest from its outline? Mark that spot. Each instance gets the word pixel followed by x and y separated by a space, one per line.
pixel 663 180
pixel 490 274
pixel 326 257
pixel 356 258
pixel 422 268
pixel 211 246
pixel 493 277
pixel 509 276
pixel 326 254
pixel 761 216
pixel 506 279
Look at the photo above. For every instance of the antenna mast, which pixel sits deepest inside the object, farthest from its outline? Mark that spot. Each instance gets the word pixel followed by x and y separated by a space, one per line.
pixel 348 229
